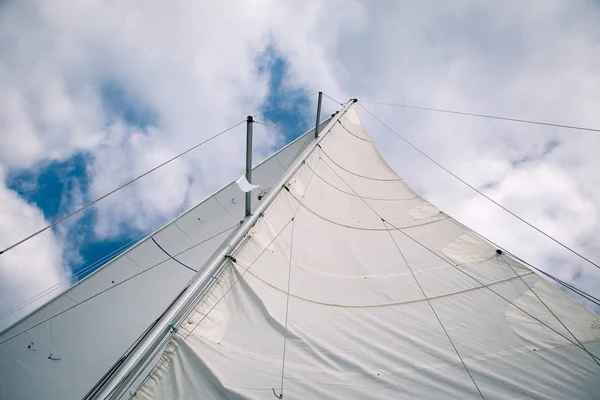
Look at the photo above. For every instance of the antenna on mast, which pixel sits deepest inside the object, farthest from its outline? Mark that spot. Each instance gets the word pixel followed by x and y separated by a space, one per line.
pixel 318 114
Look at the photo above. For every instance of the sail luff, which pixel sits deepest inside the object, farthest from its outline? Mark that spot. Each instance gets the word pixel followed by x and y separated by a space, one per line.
pixel 202 281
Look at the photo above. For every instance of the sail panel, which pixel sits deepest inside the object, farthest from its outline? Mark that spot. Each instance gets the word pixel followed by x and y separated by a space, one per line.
pixel 374 299
pixel 63 348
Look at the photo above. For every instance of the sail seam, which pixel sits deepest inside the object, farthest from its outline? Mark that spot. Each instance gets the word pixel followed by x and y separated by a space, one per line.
pixel 359 175
pixel 446 217
pixel 354 195
pixel 356 136
pixel 401 303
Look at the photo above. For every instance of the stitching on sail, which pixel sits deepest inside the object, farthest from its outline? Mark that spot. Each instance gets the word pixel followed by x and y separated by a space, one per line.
pixel 356 136
pixel 392 304
pixel 354 195
pixel 446 217
pixel 359 175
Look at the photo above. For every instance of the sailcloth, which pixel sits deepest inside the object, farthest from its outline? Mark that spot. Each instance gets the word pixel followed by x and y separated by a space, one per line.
pixel 351 286
pixel 64 348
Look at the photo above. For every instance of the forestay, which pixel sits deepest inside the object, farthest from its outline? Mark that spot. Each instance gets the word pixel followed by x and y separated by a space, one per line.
pixel 351 286
pixel 63 349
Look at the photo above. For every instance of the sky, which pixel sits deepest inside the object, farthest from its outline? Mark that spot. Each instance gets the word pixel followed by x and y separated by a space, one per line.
pixel 94 93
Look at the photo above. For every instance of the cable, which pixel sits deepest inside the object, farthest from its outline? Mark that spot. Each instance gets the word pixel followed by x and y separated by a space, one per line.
pixel 331 98
pixel 482 194
pixel 275 127
pixel 119 188
pixel 113 286
pixel 285 104
pixel 525 121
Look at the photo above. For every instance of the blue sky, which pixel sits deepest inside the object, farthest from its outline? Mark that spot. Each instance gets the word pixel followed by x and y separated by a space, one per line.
pixel 50 186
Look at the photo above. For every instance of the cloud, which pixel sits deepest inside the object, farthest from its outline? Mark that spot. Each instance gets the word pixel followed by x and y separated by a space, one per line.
pixel 131 85
pixel 30 268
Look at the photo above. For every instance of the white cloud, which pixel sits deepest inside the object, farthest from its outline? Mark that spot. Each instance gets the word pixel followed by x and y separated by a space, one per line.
pixel 30 268
pixel 194 67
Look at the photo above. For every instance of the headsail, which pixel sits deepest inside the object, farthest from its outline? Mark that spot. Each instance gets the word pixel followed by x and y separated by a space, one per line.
pixel 353 286
pixel 65 347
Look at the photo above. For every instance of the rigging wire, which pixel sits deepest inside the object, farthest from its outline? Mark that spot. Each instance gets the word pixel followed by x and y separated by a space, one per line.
pixel 120 187
pixel 278 128
pixel 285 104
pixel 483 194
pixel 331 98
pixel 115 285
pixel 525 121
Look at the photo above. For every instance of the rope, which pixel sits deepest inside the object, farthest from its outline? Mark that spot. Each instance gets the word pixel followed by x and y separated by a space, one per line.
pixel 525 121
pixel 120 187
pixel 113 286
pixel 484 195
pixel 548 308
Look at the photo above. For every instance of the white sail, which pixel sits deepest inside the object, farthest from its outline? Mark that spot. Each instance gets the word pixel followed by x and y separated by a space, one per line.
pixel 64 348
pixel 351 286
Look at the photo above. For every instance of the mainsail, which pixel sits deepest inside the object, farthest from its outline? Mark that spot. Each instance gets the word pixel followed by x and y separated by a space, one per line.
pixel 346 284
